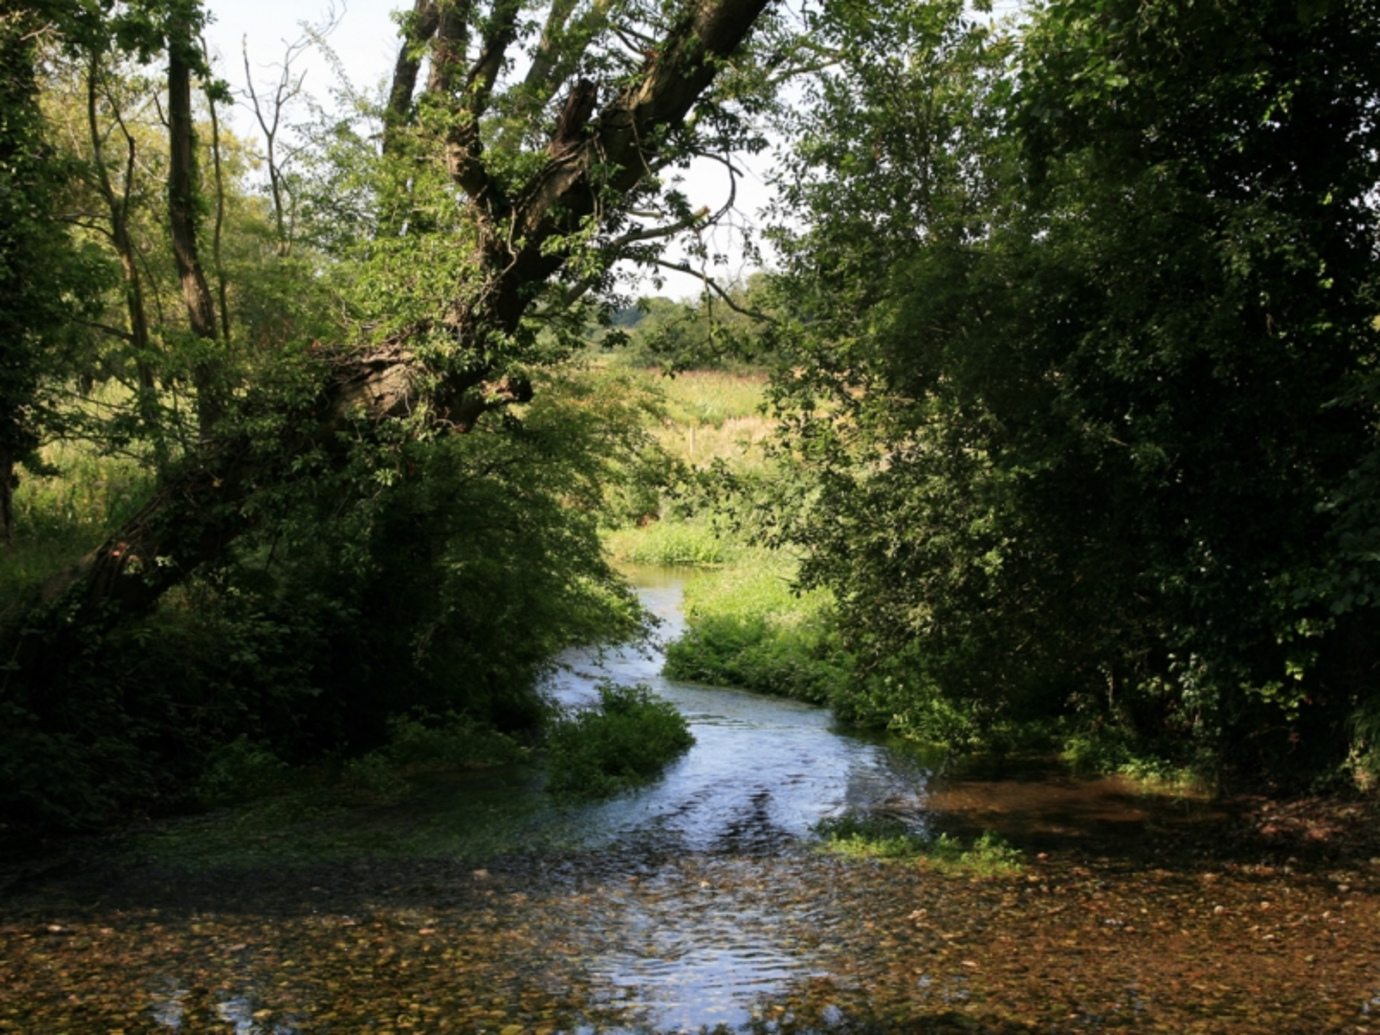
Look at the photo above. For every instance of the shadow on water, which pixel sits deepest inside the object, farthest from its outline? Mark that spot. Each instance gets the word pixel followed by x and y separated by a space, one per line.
pixel 697 904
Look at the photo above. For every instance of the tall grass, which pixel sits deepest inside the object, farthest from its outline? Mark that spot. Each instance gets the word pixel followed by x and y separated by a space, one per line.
pixel 59 516
pixel 747 626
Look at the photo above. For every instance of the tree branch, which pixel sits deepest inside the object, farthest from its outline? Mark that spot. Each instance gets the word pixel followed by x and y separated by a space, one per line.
pixel 417 28
pixel 714 286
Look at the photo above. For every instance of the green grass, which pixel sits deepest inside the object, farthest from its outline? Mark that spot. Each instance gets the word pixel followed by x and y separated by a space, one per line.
pixel 671 543
pixel 623 743
pixel 748 627
pixel 60 516
pixel 869 837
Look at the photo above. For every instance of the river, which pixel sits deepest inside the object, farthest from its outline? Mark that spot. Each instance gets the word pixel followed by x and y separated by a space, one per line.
pixel 701 903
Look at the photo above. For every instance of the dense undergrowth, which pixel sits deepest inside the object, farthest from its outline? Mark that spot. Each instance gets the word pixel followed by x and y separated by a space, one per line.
pixel 371 624
pixel 750 625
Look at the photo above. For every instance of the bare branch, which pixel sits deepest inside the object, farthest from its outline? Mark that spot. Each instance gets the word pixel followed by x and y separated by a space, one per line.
pixel 698 217
pixel 713 286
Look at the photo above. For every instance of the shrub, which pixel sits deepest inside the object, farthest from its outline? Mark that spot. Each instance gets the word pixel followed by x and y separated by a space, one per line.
pixel 749 629
pixel 420 738
pixel 239 771
pixel 625 742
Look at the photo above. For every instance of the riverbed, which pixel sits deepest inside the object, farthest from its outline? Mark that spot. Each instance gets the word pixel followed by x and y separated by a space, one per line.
pixel 703 902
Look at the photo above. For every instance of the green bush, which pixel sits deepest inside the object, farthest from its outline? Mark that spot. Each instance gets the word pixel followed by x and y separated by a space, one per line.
pixel 239 771
pixel 625 742
pixel 753 653
pixel 432 578
pixel 749 629
pixel 420 738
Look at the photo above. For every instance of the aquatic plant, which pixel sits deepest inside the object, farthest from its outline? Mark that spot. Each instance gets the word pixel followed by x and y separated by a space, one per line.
pixel 872 837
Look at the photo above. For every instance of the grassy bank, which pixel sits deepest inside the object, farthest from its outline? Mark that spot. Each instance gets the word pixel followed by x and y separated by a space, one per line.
pixel 748 626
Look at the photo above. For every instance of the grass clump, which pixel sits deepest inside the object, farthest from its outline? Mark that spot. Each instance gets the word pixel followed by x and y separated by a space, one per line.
pixel 672 544
pixel 870 837
pixel 623 743
pixel 749 628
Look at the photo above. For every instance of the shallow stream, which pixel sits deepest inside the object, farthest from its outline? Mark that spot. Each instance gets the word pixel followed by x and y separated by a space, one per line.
pixel 700 903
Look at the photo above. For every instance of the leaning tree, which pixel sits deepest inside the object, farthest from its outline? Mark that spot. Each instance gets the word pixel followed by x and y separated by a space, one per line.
pixel 547 143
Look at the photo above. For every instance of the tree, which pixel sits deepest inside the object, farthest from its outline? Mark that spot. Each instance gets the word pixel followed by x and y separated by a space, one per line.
pixel 1094 401
pixel 41 270
pixel 519 202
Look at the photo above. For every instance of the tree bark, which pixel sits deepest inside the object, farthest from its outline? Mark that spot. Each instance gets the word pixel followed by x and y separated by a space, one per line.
pixel 121 239
pixel 418 28
pixel 182 220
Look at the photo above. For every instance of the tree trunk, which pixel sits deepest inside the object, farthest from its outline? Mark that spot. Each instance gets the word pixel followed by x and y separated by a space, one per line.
pixel 119 205
pixel 182 220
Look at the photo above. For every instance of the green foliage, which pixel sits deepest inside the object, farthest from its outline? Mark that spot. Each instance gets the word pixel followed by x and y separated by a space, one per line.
pixel 1089 323
pixel 624 742
pixel 707 334
pixel 671 543
pixel 871 837
pixel 748 628
pixel 453 739
pixel 433 575
pixel 68 498
pixel 241 770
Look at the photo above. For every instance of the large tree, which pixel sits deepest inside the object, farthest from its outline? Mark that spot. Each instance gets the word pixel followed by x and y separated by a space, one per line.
pixel 509 195
pixel 1093 392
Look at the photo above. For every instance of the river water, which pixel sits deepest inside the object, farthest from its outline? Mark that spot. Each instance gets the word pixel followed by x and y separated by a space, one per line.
pixel 480 904
pixel 476 903
pixel 763 773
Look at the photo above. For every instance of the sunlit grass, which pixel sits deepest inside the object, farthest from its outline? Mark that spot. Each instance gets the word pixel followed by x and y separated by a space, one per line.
pixel 868 837
pixel 60 516
pixel 749 626
pixel 672 544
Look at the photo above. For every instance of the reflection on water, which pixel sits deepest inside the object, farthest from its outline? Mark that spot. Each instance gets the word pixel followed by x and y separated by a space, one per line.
pixel 662 901
pixel 762 773
pixel 764 770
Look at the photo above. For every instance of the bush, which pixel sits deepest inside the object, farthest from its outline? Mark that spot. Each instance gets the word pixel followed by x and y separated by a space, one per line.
pixel 439 576
pixel 422 739
pixel 749 629
pixel 239 771
pixel 625 742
